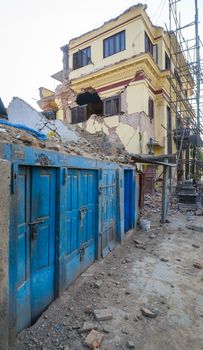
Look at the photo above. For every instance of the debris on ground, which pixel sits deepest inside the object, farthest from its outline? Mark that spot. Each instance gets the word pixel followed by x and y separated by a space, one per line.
pixel 94 339
pixel 88 326
pixel 164 291
pixel 103 314
pixel 164 259
pixel 197 265
pixel 195 245
pixel 98 284
pixel 130 345
pixel 148 313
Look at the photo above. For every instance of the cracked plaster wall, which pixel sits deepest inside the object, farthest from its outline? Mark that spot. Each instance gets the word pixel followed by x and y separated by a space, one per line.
pixel 133 130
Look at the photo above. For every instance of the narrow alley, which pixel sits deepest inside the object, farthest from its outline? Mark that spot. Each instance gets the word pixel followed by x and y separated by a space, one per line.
pixel 149 291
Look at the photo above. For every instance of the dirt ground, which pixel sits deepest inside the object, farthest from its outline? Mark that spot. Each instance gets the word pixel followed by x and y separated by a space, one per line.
pixel 155 272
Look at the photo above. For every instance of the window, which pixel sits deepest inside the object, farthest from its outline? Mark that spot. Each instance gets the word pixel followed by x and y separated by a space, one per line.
pixel 79 114
pixel 82 58
pixel 150 109
pixel 152 49
pixel 114 44
pixel 112 106
pixel 167 61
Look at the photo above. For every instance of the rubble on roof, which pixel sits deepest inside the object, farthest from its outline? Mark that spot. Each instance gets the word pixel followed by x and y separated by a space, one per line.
pixel 94 146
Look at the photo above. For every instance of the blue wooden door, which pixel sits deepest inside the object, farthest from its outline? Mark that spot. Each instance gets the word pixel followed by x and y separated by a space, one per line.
pixel 35 243
pixel 42 227
pixel 23 251
pixel 80 227
pixel 108 211
pixel 128 200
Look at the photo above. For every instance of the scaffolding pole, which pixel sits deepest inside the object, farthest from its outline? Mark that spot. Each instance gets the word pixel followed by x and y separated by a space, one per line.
pixel 186 76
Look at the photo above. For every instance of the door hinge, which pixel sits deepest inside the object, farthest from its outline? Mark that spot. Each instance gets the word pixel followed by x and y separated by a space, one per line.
pixel 64 176
pixel 13 183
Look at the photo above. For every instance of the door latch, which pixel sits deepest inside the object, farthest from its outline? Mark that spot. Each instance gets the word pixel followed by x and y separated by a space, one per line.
pixel 82 253
pixel 34 228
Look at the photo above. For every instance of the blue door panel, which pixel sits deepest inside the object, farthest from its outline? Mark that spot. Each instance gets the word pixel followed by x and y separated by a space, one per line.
pixel 42 291
pixel 23 307
pixel 80 222
pixel 108 211
pixel 72 269
pixel 128 200
pixel 89 257
pixel 43 184
pixel 35 252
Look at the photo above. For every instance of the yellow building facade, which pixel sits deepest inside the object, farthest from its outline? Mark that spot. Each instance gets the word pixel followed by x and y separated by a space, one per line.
pixel 117 79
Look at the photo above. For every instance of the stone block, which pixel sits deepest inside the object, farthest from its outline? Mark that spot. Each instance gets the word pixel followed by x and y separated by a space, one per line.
pixel 103 314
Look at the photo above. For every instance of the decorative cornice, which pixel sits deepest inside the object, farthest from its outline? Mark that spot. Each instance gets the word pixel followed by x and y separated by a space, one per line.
pixel 122 71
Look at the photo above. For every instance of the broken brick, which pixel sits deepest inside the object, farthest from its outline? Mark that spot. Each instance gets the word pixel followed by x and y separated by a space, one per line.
pixel 94 339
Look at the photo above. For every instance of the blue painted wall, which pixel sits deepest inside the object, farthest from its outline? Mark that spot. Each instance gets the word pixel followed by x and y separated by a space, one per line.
pixel 100 191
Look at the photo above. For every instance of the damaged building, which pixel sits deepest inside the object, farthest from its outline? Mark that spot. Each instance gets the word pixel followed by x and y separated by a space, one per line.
pixel 116 80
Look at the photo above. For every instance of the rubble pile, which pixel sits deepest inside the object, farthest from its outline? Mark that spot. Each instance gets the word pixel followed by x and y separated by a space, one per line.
pixel 152 203
pixel 95 146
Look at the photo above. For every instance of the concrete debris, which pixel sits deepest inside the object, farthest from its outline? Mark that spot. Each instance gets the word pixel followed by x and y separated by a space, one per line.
pixel 137 241
pixel 195 228
pixel 94 339
pixel 148 313
pixel 197 265
pixel 198 212
pixel 152 236
pixel 106 329
pixel 2 130
pixel 94 146
pixel 145 224
pixel 141 246
pixel 127 292
pixel 103 314
pixel 195 245
pixel 130 345
pixel 88 326
pixel 164 259
pixel 98 284
pixel 88 309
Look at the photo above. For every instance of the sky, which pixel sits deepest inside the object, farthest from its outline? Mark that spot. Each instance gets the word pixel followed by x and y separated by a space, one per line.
pixel 32 32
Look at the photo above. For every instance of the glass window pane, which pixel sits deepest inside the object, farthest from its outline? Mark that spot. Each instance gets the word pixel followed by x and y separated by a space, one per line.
pixel 116 106
pixel 106 48
pixel 108 107
pixel 122 41
pixel 111 46
pixel 117 43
